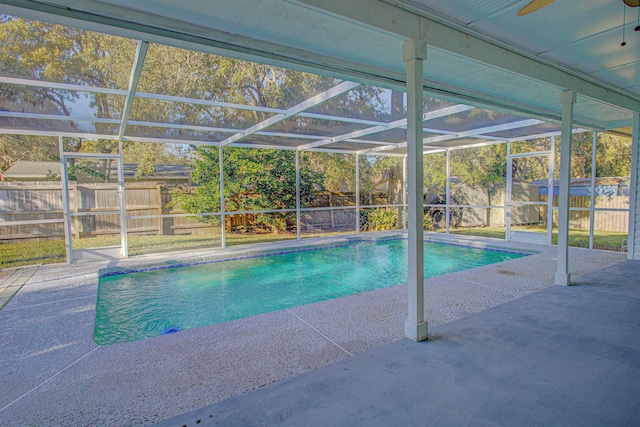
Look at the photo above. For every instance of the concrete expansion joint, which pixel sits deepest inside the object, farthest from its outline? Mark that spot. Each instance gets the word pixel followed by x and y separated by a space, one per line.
pixel 319 333
pixel 47 380
pixel 49 302
pixel 477 283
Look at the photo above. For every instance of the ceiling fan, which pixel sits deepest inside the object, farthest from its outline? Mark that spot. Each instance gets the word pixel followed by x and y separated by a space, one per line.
pixel 539 4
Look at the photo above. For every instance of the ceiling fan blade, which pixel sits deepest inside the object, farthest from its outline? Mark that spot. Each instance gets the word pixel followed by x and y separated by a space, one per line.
pixel 533 6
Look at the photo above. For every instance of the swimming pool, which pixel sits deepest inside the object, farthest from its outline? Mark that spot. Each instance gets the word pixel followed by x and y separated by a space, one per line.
pixel 147 304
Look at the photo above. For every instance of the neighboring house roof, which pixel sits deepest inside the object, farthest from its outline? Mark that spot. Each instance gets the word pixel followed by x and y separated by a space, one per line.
pixel 607 180
pixel 26 170
pixel 605 186
pixel 162 171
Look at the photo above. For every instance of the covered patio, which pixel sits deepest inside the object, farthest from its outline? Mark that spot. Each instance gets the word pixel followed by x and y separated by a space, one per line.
pixel 490 368
pixel 474 73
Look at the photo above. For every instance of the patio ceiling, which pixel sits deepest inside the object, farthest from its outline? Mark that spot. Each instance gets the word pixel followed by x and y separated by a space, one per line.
pixel 480 55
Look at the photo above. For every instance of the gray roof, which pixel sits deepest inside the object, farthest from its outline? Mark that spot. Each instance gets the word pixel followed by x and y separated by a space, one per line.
pixel 608 180
pixel 36 170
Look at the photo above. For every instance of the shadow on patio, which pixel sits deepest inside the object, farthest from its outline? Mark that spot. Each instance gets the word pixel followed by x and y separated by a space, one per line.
pixel 560 356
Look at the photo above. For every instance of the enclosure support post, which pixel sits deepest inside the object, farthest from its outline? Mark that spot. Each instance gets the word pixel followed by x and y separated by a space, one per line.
pixel 550 190
pixel 634 197
pixel 297 194
pixel 404 192
pixel 592 208
pixel 64 177
pixel 447 193
pixel 357 193
pixel 123 202
pixel 414 51
pixel 223 220
pixel 507 194
pixel 567 99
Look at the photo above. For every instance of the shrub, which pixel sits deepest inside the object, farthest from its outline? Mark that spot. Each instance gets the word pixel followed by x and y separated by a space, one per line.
pixel 382 219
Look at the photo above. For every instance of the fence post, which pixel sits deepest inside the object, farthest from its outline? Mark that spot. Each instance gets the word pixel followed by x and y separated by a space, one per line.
pixel 160 221
pixel 77 223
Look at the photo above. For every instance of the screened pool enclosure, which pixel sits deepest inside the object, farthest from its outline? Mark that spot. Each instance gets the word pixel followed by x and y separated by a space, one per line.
pixel 133 147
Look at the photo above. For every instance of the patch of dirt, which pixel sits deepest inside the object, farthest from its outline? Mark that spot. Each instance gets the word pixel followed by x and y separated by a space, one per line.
pixel 507 272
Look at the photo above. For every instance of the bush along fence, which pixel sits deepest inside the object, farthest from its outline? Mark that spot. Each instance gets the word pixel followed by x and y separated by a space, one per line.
pixel 34 211
pixel 149 209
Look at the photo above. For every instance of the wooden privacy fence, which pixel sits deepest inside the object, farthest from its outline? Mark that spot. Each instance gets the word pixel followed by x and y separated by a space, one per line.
pixel 41 201
pixel 617 221
pixel 36 201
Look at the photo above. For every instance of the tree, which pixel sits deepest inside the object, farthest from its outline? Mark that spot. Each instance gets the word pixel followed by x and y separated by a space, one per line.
pixel 613 154
pixel 255 180
pixel 42 51
pixel 484 167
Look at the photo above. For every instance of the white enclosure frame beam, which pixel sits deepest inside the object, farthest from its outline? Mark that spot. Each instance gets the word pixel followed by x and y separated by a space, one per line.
pixel 356 134
pixel 634 197
pixel 509 203
pixel 414 51
pixel 136 71
pixel 567 99
pixel 551 190
pixel 223 223
pixel 61 86
pixel 592 201
pixel 57 117
pixel 480 132
pixel 404 192
pixel 509 184
pixel 448 111
pixel 64 177
pixel 207 102
pixel 447 193
pixel 124 243
pixel 297 160
pixel 296 109
pixel 357 193
pixel 473 133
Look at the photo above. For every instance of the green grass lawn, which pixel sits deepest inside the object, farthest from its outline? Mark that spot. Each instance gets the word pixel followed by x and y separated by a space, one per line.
pixel 53 251
pixel 605 240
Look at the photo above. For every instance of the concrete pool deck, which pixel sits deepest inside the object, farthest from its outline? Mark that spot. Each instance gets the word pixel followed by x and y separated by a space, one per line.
pixel 561 356
pixel 52 372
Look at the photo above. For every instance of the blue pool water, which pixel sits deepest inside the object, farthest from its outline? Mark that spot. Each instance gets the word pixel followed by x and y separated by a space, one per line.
pixel 151 303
